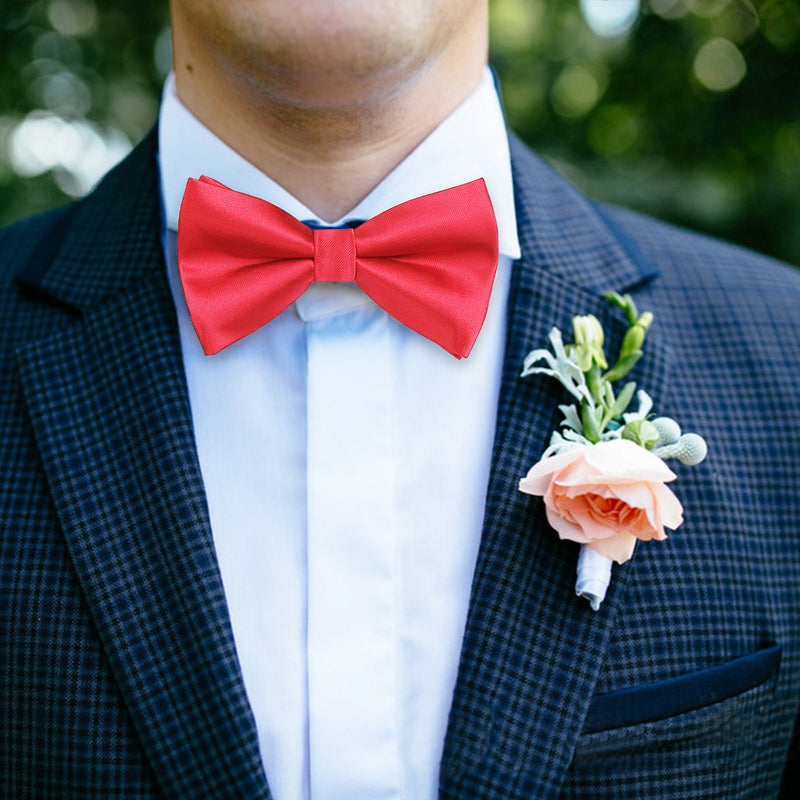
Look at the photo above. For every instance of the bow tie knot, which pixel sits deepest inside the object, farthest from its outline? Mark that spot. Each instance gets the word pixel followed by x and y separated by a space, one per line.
pixel 334 254
pixel 429 262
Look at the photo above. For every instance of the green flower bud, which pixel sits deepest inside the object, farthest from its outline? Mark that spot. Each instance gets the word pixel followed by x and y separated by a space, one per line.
pixel 625 302
pixel 588 330
pixel 589 342
pixel 633 341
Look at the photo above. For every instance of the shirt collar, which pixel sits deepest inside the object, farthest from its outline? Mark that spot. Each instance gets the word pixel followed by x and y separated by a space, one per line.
pixel 470 143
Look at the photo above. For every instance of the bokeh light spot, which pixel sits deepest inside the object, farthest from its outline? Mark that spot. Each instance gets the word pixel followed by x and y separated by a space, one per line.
pixel 162 52
pixel 79 152
pixel 576 91
pixel 610 17
pixel 73 17
pixel 781 23
pixel 515 25
pixel 614 130
pixel 669 9
pixel 706 8
pixel 720 65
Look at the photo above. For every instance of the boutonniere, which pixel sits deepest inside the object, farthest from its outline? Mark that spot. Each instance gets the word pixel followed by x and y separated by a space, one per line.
pixel 603 476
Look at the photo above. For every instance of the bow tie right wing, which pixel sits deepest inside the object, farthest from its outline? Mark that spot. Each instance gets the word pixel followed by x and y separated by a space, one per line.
pixel 431 262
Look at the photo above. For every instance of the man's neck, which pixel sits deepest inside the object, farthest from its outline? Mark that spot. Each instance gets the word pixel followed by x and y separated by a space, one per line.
pixel 330 153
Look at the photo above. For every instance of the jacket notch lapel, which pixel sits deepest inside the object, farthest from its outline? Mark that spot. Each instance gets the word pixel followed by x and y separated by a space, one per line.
pixel 108 403
pixel 532 650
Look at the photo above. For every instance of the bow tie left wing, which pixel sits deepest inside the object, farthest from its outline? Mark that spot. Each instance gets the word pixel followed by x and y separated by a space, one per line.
pixel 241 259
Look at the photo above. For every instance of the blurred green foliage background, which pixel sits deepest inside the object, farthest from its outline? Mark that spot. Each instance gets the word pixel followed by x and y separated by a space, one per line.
pixel 685 109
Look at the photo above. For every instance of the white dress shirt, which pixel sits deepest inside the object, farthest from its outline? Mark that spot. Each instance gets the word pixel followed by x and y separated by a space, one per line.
pixel 345 460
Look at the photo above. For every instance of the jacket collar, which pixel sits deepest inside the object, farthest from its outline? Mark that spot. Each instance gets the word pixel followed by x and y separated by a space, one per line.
pixel 119 241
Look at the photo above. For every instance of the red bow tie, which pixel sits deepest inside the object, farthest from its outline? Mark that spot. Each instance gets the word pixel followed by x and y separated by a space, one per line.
pixel 430 262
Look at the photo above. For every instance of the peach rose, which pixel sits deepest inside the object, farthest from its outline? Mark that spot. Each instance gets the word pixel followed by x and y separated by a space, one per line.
pixel 606 496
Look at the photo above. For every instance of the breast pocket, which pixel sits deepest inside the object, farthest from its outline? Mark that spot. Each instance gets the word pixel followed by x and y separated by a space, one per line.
pixel 699 735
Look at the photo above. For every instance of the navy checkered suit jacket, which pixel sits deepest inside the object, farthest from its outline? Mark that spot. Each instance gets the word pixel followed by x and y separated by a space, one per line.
pixel 118 673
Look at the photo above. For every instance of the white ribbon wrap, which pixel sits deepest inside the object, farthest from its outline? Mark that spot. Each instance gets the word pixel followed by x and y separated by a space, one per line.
pixel 594 576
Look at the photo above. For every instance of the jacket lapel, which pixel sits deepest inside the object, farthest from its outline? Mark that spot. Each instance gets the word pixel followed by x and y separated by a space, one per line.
pixel 110 412
pixel 532 650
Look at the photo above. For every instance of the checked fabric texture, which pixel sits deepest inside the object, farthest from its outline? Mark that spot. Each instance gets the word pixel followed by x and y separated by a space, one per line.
pixel 118 674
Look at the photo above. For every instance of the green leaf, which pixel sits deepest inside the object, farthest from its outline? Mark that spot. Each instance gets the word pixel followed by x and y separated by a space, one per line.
pixel 623 400
pixel 591 429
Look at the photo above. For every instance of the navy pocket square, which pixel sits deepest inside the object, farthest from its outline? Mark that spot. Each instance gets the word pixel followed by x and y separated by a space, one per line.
pixel 672 696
